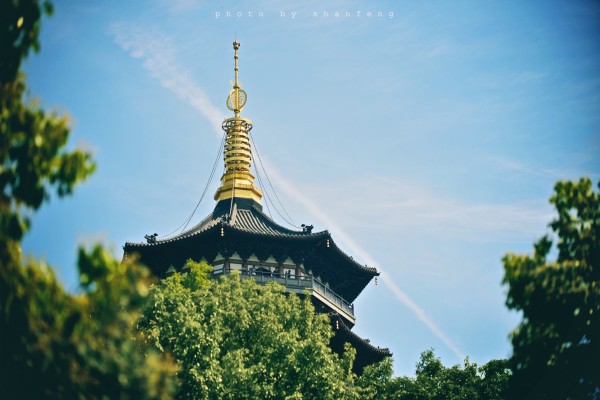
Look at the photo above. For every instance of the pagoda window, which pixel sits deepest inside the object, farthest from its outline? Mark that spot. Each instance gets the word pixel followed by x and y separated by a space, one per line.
pixel 235 266
pixel 217 270
pixel 261 270
pixel 289 272
pixel 251 268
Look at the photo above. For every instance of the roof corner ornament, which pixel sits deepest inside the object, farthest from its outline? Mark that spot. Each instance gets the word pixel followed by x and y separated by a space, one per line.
pixel 307 228
pixel 151 238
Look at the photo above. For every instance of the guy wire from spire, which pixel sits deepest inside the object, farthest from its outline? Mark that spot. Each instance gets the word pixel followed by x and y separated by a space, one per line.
pixel 263 189
pixel 271 185
pixel 212 174
pixel 269 200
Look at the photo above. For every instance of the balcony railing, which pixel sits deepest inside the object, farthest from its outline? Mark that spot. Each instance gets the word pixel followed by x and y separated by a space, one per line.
pixel 298 284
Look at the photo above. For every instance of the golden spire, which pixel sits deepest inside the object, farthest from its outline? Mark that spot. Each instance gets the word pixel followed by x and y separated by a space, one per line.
pixel 237 181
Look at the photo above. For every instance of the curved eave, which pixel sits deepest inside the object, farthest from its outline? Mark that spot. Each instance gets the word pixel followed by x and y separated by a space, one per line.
pixel 205 225
pixel 350 277
pixel 366 353
pixel 372 271
pixel 160 256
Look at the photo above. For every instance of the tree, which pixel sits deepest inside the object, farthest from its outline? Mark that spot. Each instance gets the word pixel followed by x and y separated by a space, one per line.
pixel 434 381
pixel 235 339
pixel 58 345
pixel 376 381
pixel 54 344
pixel 32 156
pixel 556 347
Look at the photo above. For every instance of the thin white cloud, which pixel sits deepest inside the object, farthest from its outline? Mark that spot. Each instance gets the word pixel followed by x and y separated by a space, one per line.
pixel 160 59
pixel 435 50
pixel 396 205
pixel 180 5
pixel 341 236
pixel 422 316
pixel 527 77
pixel 528 169
pixel 515 79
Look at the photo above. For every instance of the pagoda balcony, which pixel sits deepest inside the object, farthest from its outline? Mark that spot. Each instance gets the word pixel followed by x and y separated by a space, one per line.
pixel 299 284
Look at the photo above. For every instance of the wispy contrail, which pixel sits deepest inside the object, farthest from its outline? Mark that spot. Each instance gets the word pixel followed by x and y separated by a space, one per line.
pixel 159 59
pixel 356 249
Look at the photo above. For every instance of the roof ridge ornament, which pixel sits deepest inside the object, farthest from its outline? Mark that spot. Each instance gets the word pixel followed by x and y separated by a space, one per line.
pixel 307 228
pixel 237 97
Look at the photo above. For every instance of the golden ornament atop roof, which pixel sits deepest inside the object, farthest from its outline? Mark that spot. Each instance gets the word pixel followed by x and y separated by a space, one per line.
pixel 237 181
pixel 237 97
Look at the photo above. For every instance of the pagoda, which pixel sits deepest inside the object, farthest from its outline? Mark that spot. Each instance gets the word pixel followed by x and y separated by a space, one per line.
pixel 238 236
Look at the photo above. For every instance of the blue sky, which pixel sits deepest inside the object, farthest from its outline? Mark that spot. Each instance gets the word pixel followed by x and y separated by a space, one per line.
pixel 427 139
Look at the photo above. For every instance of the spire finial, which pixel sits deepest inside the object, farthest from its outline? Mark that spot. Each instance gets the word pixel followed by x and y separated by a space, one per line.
pixel 237 97
pixel 237 182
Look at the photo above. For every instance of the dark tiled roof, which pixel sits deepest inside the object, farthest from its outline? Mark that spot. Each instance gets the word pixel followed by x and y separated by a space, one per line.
pixel 207 223
pixel 248 218
pixel 255 221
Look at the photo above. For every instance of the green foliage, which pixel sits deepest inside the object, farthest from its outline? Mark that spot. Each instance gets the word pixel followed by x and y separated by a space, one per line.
pixel 54 344
pixel 235 339
pixel 197 276
pixel 434 381
pixel 59 345
pixel 376 382
pixel 33 161
pixel 19 30
pixel 557 343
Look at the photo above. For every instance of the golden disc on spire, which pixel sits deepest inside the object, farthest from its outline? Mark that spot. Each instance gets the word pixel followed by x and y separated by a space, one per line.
pixel 236 100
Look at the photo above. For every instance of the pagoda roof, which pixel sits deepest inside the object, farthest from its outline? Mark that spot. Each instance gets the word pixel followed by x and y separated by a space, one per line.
pixel 249 223
pixel 248 217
